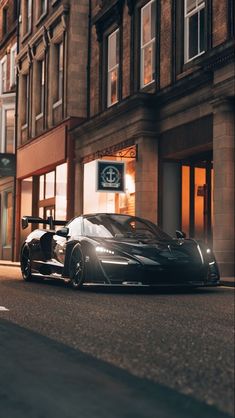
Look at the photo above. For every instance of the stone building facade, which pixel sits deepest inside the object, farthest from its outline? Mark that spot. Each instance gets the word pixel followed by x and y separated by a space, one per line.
pixel 161 98
pixel 52 96
pixel 8 50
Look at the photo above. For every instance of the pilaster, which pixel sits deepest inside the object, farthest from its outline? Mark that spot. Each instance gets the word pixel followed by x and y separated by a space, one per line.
pixel 223 157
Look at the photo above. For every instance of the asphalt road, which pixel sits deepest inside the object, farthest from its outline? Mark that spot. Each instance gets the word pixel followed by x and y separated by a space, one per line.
pixel 114 353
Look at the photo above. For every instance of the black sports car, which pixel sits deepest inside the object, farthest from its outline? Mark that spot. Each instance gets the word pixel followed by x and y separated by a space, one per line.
pixel 114 249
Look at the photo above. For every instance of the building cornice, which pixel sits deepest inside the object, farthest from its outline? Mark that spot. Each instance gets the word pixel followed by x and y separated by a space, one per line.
pixel 219 56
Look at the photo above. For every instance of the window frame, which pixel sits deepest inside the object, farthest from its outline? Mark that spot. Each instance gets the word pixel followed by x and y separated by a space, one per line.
pixel 41 13
pixel 26 80
pixel 13 67
pixel 187 15
pixel 27 18
pixel 4 21
pixel 3 81
pixel 3 144
pixel 6 209
pixel 59 93
pixel 116 66
pixel 153 42
pixel 41 85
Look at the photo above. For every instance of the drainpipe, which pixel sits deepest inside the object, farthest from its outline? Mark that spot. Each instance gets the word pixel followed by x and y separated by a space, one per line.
pixel 13 255
pixel 89 61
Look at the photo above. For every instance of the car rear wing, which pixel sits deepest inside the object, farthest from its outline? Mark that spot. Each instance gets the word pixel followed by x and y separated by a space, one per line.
pixel 26 220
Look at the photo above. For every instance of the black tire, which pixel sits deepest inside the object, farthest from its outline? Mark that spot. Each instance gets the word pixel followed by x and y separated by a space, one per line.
pixel 25 264
pixel 77 268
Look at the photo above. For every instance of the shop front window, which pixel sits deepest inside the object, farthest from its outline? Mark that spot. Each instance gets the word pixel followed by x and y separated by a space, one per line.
pixel 9 130
pixel 197 201
pixel 26 203
pixel 53 193
pixel 109 202
pixel 61 192
pixel 8 218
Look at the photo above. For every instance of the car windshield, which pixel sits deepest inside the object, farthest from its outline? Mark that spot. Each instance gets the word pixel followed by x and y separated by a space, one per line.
pixel 122 226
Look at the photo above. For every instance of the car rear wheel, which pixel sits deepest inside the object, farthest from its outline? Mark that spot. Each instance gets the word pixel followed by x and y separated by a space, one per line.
pixel 26 264
pixel 77 267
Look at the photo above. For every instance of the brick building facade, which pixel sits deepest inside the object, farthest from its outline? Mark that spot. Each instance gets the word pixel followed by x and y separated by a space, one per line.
pixel 161 83
pixel 8 49
pixel 52 63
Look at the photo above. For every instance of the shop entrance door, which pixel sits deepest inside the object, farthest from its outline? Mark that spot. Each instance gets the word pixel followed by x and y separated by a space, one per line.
pixel 197 202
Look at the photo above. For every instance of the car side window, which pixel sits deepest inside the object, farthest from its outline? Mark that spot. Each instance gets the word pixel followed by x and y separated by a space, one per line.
pixel 75 227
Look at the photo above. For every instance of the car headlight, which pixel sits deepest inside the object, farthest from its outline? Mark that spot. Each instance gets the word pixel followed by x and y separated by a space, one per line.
pixel 103 250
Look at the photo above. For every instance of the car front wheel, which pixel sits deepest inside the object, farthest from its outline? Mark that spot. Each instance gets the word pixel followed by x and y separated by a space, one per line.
pixel 77 273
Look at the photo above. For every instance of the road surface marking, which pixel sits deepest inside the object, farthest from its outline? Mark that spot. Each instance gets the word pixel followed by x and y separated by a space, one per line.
pixel 2 308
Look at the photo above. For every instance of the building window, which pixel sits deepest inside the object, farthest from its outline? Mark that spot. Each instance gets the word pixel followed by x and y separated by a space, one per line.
pixel 27 17
pixel 194 12
pixel 40 88
pixel 13 65
pixel 41 8
pixel 4 21
pixel 3 75
pixel 59 69
pixel 8 131
pixel 9 218
pixel 42 84
pixel 52 193
pixel 148 36
pixel 113 68
pixel 25 96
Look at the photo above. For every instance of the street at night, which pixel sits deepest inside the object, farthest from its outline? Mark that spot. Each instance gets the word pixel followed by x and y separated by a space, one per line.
pixel 114 352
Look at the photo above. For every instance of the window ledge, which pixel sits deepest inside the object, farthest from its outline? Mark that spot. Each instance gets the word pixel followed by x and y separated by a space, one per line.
pixel 57 104
pixel 112 104
pixel 41 18
pixel 39 116
pixel 145 86
pixel 26 35
pixel 24 127
pixel 195 61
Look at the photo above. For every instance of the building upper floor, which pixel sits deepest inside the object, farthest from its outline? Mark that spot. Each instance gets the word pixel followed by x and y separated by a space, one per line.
pixel 8 46
pixel 77 59
pixel 52 64
pixel 149 45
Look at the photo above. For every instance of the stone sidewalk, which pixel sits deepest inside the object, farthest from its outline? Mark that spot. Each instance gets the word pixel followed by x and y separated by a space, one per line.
pixel 225 281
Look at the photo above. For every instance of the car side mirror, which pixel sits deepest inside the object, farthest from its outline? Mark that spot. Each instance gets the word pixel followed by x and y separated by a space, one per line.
pixel 63 232
pixel 180 234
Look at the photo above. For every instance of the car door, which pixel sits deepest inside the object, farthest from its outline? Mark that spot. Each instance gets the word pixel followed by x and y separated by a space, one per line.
pixel 63 245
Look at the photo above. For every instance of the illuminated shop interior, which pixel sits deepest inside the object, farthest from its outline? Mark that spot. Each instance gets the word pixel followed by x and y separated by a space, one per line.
pixel 109 202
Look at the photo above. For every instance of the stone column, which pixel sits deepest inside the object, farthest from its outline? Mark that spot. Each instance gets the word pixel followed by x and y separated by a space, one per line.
pixel 78 194
pixel 146 200
pixel 171 194
pixel 223 157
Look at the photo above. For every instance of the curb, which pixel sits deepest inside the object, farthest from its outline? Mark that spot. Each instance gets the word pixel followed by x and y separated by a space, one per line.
pixel 9 263
pixel 228 282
